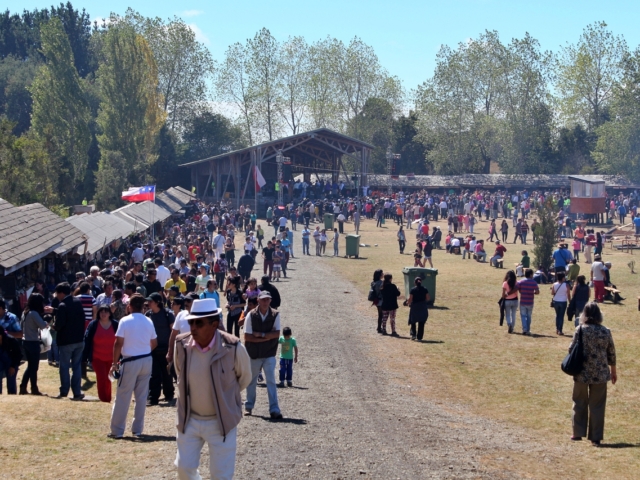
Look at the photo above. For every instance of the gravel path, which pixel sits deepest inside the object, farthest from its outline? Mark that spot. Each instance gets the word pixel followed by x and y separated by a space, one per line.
pixel 348 415
pixel 345 416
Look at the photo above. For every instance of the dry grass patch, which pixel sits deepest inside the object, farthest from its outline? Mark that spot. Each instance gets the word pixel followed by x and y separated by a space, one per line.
pixel 511 378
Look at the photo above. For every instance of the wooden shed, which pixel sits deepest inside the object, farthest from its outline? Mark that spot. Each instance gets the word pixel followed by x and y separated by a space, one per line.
pixel 587 195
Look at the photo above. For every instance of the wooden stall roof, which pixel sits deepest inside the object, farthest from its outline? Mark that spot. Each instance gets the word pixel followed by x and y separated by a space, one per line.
pixel 101 228
pixel 142 215
pixel 174 199
pixel 31 232
pixel 586 179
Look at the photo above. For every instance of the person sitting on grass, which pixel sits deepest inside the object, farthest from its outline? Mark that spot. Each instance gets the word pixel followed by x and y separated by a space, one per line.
pixel 481 255
pixel 498 254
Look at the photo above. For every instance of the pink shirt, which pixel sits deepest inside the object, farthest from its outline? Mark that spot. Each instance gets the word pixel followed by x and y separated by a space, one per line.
pixel 208 347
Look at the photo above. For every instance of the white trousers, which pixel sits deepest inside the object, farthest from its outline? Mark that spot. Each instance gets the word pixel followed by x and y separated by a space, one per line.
pixel 134 381
pixel 222 452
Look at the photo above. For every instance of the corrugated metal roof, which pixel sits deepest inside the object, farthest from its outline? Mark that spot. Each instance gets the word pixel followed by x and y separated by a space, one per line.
pixel 142 215
pixel 101 228
pixel 174 199
pixel 31 232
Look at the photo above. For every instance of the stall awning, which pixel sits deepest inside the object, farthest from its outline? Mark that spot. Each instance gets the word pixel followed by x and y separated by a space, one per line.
pixel 142 215
pixel 31 232
pixel 101 228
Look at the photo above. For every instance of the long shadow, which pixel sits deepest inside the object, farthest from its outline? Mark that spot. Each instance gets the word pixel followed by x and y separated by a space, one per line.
pixel 437 307
pixel 620 445
pixel 87 384
pixel 539 335
pixel 294 421
pixel 151 438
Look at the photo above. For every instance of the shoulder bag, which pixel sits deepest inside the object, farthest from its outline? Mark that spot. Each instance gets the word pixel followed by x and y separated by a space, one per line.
pixel 574 361
pixel 554 297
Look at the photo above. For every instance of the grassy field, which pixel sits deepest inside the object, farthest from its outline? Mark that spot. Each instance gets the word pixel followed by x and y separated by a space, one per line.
pixel 469 359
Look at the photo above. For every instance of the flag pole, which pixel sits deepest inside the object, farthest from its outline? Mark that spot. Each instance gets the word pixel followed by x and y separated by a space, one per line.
pixel 255 183
pixel 153 224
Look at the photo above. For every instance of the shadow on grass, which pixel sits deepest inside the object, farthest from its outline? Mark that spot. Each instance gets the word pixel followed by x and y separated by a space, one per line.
pixel 87 384
pixel 438 307
pixel 539 335
pixel 294 421
pixel 620 445
pixel 151 438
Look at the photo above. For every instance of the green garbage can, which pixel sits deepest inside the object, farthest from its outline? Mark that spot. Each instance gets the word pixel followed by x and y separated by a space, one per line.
pixel 328 221
pixel 428 276
pixel 352 245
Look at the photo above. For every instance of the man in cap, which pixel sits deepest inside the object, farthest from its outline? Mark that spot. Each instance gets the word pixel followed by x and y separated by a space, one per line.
pixel 261 334
pixel 135 340
pixel 181 325
pixel 162 273
pixel 212 368
pixel 163 321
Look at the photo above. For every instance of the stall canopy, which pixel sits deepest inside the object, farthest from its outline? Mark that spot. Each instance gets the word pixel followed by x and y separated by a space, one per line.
pixel 142 215
pixel 174 199
pixel 101 228
pixel 31 232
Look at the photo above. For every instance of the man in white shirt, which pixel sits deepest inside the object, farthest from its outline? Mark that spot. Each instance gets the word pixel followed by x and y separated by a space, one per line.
pixel 162 273
pixel 218 244
pixel 597 277
pixel 137 255
pixel 181 325
pixel 135 339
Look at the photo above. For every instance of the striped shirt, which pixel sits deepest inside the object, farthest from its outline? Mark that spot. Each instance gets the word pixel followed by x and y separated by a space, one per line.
pixel 527 288
pixel 87 305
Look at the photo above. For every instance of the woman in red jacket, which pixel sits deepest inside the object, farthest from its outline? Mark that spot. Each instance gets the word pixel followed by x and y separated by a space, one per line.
pixel 98 349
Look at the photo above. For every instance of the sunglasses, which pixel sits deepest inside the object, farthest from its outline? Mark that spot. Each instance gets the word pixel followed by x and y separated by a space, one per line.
pixel 198 322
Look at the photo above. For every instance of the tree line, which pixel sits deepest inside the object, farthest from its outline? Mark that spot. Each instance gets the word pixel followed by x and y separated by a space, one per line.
pixel 88 109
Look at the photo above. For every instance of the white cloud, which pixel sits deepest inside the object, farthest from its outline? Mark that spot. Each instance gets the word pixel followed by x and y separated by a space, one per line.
pixel 200 36
pixel 192 13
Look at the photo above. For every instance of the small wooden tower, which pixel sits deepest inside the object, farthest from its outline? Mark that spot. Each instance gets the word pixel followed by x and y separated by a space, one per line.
pixel 587 196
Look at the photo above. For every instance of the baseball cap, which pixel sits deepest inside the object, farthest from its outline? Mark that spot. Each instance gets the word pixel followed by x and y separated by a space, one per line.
pixel 264 294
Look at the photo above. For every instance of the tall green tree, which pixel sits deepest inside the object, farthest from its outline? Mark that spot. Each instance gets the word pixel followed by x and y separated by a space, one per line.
pixel 618 147
pixel 130 116
pixel 60 109
pixel 546 234
pixel 587 74
pixel 184 66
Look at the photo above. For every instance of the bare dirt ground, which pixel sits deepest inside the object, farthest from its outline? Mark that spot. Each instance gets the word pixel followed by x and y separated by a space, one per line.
pixel 349 415
pixel 358 409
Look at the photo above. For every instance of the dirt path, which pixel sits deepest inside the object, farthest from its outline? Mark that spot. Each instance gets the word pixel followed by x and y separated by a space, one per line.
pixel 346 416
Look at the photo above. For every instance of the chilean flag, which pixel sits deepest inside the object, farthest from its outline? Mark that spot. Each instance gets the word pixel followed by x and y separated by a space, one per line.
pixel 140 194
pixel 260 181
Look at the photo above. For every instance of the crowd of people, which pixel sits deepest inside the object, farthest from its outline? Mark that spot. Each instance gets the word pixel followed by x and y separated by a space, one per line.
pixel 150 316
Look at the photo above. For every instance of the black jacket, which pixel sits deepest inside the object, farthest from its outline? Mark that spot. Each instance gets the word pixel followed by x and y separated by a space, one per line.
pixel 390 294
pixel 11 347
pixel 87 353
pixel 69 324
pixel 275 294
pixel 245 264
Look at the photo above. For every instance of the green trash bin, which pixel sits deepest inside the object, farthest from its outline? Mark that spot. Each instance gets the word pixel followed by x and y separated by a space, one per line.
pixel 328 221
pixel 352 245
pixel 428 276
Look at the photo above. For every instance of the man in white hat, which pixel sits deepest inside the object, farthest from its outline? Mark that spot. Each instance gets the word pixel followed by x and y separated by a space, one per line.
pixel 261 334
pixel 213 367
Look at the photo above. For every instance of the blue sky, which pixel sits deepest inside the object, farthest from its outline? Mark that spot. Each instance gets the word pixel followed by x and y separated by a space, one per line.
pixel 405 34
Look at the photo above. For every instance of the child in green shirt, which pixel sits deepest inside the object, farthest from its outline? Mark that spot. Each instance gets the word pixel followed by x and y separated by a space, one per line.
pixel 288 356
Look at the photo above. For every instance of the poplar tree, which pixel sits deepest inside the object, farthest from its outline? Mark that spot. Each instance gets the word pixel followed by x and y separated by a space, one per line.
pixel 61 112
pixel 130 117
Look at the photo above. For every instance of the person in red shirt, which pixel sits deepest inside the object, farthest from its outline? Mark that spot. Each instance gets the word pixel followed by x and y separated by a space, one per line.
pixel 98 348
pixel 193 251
pixel 498 254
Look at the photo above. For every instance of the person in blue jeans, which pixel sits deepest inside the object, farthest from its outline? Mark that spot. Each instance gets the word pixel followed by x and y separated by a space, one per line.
pixel 528 288
pixel 32 324
pixel 9 323
pixel 69 326
pixel 510 297
pixel 561 296
pixel 288 356
pixel 10 358
pixel 261 335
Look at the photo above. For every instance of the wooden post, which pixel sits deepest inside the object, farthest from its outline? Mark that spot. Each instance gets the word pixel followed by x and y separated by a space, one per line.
pixel 217 192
